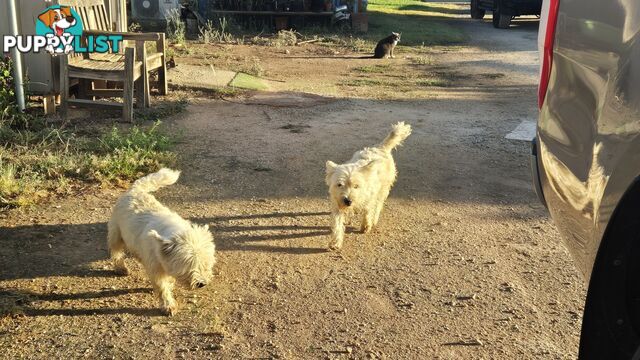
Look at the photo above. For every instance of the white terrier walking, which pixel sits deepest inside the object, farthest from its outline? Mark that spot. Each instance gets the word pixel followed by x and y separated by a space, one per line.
pixel 363 184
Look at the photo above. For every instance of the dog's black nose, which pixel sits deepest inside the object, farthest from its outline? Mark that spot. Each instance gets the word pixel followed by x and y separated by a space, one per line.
pixel 347 201
pixel 200 285
pixel 70 19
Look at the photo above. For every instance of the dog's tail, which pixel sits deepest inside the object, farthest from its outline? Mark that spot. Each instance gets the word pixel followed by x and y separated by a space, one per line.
pixel 155 181
pixel 399 132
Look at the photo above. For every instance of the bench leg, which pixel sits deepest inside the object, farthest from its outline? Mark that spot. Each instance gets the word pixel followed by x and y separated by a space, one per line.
pixel 64 85
pixel 128 84
pixel 49 103
pixel 163 87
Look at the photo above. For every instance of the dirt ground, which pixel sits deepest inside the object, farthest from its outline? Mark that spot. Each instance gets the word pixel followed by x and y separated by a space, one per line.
pixel 464 264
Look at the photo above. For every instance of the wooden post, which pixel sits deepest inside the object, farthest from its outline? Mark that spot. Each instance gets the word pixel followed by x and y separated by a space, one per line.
pixel 143 95
pixel 64 85
pixel 129 62
pixel 49 103
pixel 162 72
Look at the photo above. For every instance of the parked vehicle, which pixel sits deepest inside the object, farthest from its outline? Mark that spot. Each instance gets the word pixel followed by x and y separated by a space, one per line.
pixel 586 160
pixel 504 10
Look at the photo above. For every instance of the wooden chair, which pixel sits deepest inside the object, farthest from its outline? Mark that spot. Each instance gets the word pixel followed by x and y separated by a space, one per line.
pixel 130 68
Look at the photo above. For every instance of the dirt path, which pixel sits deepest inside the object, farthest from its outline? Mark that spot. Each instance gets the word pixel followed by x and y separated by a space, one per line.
pixel 464 264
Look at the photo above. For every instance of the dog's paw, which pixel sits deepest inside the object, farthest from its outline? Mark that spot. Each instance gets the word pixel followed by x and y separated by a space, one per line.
pixel 335 246
pixel 170 309
pixel 365 228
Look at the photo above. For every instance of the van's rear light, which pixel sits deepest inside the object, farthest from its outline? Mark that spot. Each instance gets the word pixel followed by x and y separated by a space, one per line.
pixel 547 50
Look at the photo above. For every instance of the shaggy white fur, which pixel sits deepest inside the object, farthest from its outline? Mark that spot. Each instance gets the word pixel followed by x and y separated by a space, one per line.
pixel 168 246
pixel 362 184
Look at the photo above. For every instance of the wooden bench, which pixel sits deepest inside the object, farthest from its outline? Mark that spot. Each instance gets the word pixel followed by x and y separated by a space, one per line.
pixel 130 68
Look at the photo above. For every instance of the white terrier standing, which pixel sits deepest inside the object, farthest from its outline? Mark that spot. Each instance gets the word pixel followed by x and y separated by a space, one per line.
pixel 168 246
pixel 362 184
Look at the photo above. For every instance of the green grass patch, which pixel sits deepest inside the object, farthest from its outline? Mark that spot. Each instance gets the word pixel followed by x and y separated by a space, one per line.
pixel 435 82
pixel 367 82
pixel 419 22
pixel 374 69
pixel 38 162
pixel 417 27
pixel 246 81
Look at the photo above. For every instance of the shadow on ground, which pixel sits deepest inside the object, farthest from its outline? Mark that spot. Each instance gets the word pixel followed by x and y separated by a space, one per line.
pixel 235 237
pixel 22 302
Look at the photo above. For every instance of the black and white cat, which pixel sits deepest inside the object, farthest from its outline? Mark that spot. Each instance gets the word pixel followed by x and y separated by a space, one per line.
pixel 385 47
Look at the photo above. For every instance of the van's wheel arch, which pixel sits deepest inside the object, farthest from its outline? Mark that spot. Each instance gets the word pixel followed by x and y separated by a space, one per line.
pixel 611 321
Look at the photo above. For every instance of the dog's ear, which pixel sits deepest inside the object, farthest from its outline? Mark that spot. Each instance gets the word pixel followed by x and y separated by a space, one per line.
pixel 166 245
pixel 331 168
pixel 47 17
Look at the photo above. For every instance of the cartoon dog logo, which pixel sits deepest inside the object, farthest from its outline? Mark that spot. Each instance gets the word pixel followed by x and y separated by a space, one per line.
pixel 59 21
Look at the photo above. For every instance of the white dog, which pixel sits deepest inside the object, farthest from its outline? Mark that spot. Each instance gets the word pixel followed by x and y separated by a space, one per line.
pixel 362 184
pixel 168 246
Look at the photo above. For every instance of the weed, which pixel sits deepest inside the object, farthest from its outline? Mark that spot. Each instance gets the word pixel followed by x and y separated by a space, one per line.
pixel 422 60
pixel 162 110
pixel 176 28
pixel 285 38
pixel 251 65
pixel 135 27
pixel 282 38
pixel 210 33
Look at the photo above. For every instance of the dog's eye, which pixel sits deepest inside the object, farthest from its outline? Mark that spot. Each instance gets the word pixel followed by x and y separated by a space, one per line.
pixel 356 186
pixel 340 185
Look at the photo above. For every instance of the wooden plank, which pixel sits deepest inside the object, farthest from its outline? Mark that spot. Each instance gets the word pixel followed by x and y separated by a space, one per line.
pixel 110 57
pixel 105 20
pixel 101 18
pixel 274 13
pixel 110 105
pixel 154 61
pixel 129 60
pixel 125 35
pixel 81 3
pixel 96 75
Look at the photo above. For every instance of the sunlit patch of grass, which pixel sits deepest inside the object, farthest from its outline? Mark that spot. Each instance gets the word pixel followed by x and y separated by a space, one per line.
pixel 419 22
pixel 246 81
